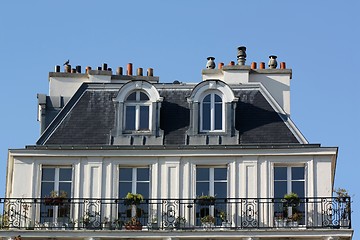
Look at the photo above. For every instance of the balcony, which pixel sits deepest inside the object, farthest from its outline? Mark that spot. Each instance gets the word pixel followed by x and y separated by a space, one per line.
pixel 174 214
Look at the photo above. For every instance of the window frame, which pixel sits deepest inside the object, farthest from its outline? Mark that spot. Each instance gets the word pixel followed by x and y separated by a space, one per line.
pixel 212 112
pixel 134 180
pixel 138 103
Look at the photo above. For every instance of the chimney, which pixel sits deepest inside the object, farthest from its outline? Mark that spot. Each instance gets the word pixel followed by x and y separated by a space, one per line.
pixel 272 62
pixel 150 72
pixel 253 65
pixel 241 55
pixel 210 63
pixel 129 69
pixel 139 71
pixel 119 71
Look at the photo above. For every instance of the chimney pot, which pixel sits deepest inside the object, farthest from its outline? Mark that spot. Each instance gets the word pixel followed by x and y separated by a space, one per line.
pixel 129 69
pixel 57 68
pixel 119 71
pixel 109 69
pixel 253 65
pixel 88 68
pixel 99 68
pixel 68 68
pixel 150 72
pixel 78 69
pixel 232 63
pixel 104 67
pixel 241 55
pixel 282 65
pixel 221 65
pixel 262 65
pixel 73 70
pixel 139 71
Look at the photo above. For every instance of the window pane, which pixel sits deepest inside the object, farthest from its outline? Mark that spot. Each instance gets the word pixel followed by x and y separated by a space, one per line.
pixel 280 173
pixel 202 188
pixel 48 174
pixel 218 116
pixel 65 174
pixel 144 117
pixel 298 188
pixel 202 174
pixel 143 174
pixel 124 188
pixel 131 97
pixel 218 98
pixel 143 189
pixel 280 189
pixel 298 173
pixel 206 116
pixel 220 173
pixel 220 189
pixel 207 98
pixel 130 118
pixel 143 97
pixel 66 187
pixel 125 174
pixel 46 188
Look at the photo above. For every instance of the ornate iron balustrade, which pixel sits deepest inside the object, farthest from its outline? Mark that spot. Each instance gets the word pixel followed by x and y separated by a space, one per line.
pixel 169 214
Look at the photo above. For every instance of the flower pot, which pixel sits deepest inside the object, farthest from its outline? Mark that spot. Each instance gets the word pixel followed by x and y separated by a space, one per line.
pixel 280 223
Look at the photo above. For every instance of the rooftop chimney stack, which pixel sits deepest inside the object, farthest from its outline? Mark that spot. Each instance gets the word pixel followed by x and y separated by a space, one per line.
pixel 241 56
pixel 210 63
pixel 272 62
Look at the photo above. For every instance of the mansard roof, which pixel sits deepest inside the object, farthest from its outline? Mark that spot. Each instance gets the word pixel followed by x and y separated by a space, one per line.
pixel 89 117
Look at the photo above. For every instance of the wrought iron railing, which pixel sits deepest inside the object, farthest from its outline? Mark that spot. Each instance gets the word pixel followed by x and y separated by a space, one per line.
pixel 170 214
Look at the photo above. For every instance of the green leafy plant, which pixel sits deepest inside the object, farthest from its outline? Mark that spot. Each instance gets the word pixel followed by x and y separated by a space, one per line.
pixel 208 219
pixel 133 199
pixel 206 200
pixel 223 216
pixel 291 199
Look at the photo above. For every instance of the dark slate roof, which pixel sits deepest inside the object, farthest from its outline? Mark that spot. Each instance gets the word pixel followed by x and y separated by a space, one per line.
pixel 88 118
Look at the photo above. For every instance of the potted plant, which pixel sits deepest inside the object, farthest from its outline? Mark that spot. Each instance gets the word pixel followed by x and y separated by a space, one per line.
pixel 106 223
pixel 224 220
pixel 55 198
pixel 180 222
pixel 343 199
pixel 153 224
pixel 295 219
pixel 207 221
pixel 206 200
pixel 280 220
pixel 133 224
pixel 117 224
pixel 70 224
pixel 291 200
pixel 133 199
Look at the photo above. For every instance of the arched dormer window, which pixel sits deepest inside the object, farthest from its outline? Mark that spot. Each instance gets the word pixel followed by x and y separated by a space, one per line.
pixel 137 112
pixel 212 116
pixel 137 122
pixel 211 113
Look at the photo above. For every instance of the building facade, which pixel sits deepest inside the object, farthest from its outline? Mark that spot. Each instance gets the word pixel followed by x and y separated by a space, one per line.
pixel 125 156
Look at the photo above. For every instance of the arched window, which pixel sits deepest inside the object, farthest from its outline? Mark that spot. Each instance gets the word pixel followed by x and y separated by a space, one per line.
pixel 137 112
pixel 211 113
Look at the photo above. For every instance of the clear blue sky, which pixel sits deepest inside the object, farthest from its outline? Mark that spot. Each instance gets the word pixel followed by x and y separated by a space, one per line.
pixel 319 40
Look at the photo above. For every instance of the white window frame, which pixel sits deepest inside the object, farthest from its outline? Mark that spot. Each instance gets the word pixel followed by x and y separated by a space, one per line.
pixel 134 180
pixel 212 112
pixel 289 178
pixel 57 178
pixel 212 180
pixel 137 104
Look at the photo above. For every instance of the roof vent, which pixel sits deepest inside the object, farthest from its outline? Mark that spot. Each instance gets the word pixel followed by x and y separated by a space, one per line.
pixel 241 55
pixel 210 63
pixel 176 82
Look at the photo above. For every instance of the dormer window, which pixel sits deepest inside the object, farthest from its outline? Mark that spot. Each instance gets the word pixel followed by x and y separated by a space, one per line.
pixel 211 117
pixel 137 112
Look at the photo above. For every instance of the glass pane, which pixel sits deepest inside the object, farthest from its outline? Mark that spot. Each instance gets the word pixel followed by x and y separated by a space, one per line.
pixel 280 173
pixel 220 189
pixel 207 98
pixel 298 173
pixel 143 189
pixel 65 174
pixel 220 173
pixel 218 116
pixel 144 117
pixel 130 118
pixel 218 98
pixel 131 97
pixel 143 174
pixel 66 187
pixel 202 188
pixel 298 188
pixel 48 174
pixel 46 188
pixel 202 174
pixel 143 97
pixel 124 189
pixel 125 174
pixel 206 116
pixel 280 189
